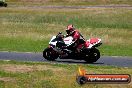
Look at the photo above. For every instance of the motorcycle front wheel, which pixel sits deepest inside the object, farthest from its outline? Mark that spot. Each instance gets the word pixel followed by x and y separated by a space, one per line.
pixel 50 54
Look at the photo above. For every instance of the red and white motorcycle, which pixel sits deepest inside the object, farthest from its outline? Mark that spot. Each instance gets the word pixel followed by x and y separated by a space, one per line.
pixel 58 48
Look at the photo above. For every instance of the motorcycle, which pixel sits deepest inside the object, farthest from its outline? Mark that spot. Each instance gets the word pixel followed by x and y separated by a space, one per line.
pixel 86 50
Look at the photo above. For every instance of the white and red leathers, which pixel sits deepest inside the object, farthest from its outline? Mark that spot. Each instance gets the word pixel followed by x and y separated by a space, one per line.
pixel 71 31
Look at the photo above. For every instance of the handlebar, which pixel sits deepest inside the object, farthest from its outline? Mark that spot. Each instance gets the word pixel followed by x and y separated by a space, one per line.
pixel 58 34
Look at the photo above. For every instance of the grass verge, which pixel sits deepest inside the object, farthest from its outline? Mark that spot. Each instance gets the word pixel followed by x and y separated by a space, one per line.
pixel 52 75
pixel 70 2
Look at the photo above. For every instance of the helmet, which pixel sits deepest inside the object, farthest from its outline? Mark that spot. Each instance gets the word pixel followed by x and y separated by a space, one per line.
pixel 70 29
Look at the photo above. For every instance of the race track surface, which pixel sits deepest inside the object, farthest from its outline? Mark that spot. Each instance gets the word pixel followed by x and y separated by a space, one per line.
pixel 38 57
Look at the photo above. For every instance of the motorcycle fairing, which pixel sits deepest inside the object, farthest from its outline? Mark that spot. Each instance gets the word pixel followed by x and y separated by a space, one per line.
pixel 52 41
pixel 92 42
pixel 68 40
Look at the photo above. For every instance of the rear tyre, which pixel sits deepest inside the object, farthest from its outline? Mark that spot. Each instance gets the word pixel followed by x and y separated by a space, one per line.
pixel 50 54
pixel 92 56
pixel 5 4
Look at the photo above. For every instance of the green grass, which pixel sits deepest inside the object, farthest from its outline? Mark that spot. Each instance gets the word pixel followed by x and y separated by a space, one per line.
pixel 52 75
pixel 70 2
pixel 29 30
pixel 21 44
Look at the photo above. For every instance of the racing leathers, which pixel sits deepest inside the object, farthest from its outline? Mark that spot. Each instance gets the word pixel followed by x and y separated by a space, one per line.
pixel 76 40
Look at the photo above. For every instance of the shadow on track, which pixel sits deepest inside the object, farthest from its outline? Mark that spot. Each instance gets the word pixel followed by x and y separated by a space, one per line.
pixel 77 62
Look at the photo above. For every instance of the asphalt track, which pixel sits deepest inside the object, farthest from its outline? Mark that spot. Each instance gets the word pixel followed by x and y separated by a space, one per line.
pixel 37 57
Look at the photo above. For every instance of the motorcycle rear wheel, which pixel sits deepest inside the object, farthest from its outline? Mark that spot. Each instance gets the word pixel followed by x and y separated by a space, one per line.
pixel 50 54
pixel 5 4
pixel 92 56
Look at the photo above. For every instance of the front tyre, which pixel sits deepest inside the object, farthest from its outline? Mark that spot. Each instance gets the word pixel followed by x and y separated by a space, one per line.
pixel 93 56
pixel 50 54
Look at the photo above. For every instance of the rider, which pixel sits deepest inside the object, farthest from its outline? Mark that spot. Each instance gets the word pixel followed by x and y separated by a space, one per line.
pixel 71 31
